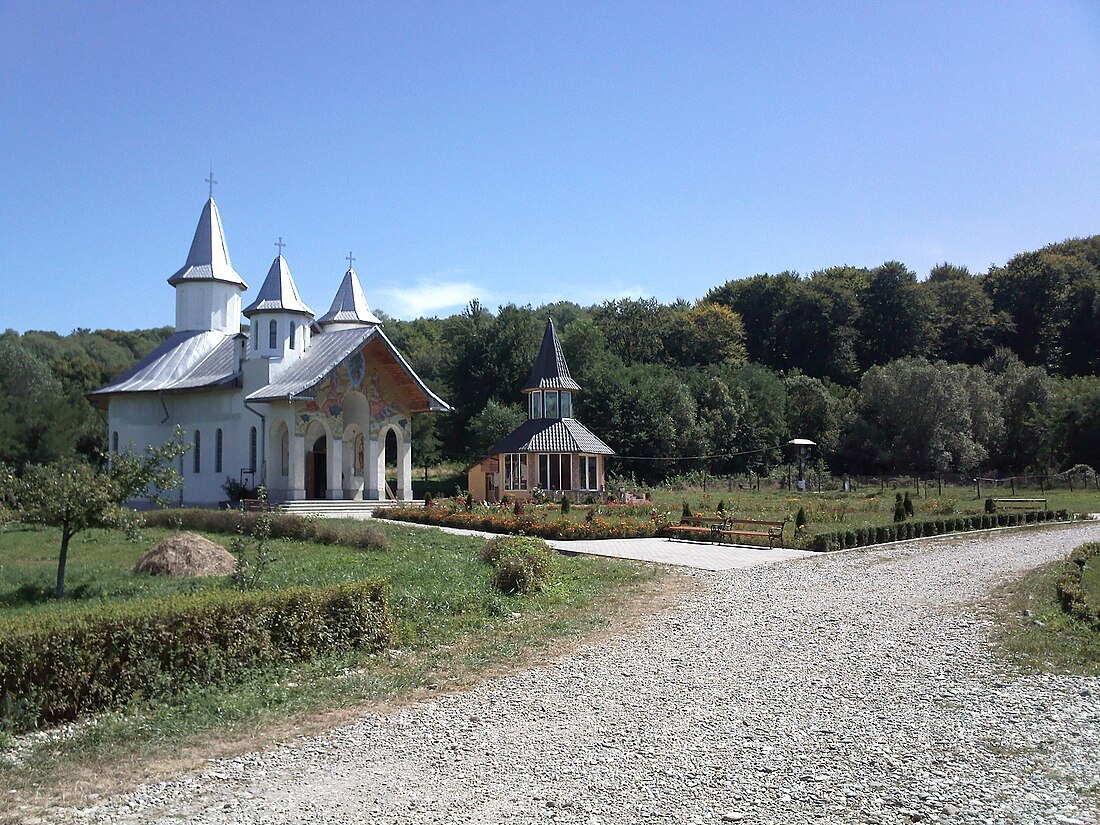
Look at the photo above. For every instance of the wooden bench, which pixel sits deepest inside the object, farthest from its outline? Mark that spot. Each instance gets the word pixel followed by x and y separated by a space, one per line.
pixel 773 530
pixel 1021 503
pixel 256 505
pixel 706 527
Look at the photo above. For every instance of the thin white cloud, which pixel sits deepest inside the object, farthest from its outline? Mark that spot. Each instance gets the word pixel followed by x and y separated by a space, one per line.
pixel 429 296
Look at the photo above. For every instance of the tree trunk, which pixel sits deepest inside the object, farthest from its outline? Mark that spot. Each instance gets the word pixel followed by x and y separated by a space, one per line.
pixel 59 590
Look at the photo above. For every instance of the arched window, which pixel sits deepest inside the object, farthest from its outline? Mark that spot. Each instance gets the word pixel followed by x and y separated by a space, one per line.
pixel 284 454
pixel 273 334
pixel 252 449
pixel 218 450
pixel 114 441
pixel 252 336
pixel 197 457
pixel 293 328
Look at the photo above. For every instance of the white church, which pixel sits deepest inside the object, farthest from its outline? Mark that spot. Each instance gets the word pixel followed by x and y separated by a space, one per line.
pixel 301 405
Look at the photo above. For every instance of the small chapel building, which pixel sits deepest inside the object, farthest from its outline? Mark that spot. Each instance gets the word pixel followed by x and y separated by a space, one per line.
pixel 301 405
pixel 551 450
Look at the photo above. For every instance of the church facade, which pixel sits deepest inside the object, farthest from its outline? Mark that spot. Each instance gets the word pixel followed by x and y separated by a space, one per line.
pixel 302 405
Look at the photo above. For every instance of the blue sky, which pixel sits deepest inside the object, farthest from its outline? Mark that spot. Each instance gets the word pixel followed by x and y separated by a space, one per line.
pixel 529 152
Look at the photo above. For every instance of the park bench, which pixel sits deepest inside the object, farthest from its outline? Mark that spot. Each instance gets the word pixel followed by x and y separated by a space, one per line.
pixel 1021 503
pixel 257 505
pixel 772 530
pixel 709 528
pixel 705 527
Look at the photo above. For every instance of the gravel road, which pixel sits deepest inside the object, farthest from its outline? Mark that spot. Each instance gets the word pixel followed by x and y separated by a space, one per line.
pixel 857 687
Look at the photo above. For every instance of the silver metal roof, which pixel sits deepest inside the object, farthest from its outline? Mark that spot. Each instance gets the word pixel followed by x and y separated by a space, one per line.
pixel 208 258
pixel 187 360
pixel 551 435
pixel 327 349
pixel 350 304
pixel 278 292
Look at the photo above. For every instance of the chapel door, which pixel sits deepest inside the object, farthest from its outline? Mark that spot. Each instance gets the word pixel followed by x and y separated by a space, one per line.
pixel 317 470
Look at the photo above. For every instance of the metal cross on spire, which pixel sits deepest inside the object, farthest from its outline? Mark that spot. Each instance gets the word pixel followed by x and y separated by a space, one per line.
pixel 351 260
pixel 211 180
pixel 279 243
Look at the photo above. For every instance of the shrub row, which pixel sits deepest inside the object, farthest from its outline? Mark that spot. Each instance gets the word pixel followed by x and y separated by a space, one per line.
pixel 58 667
pixel 1070 583
pixel 901 531
pixel 283 525
pixel 523 565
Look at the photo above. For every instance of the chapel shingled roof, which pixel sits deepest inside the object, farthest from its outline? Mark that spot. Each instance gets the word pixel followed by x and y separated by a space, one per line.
pixel 551 435
pixel 208 258
pixel 278 292
pixel 550 371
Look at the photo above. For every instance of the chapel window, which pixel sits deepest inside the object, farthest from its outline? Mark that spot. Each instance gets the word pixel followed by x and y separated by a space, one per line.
pixel 196 458
pixel 218 450
pixel 566 405
pixel 515 471
pixel 536 405
pixel 588 467
pixel 551 404
pixel 293 329
pixel 554 471
pixel 273 334
pixel 252 449
pixel 284 454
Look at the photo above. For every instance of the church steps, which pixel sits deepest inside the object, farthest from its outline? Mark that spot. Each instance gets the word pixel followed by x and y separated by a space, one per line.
pixel 339 509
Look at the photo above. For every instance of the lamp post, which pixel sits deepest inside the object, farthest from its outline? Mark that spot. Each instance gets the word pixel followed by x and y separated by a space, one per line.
pixel 802 447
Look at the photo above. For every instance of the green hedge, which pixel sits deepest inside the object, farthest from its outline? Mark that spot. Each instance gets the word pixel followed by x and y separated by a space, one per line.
pixel 56 668
pixel 1071 589
pixel 903 530
pixel 283 526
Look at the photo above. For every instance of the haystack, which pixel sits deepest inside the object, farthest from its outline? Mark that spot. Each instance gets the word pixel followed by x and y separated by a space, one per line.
pixel 186 554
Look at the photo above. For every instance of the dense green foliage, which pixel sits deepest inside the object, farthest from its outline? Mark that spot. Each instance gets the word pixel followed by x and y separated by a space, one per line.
pixel 960 372
pixel 58 667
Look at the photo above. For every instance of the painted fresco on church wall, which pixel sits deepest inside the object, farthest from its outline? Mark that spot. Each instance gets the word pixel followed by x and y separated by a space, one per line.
pixel 352 375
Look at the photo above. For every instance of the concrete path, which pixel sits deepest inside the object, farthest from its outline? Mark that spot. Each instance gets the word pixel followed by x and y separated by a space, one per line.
pixel 700 555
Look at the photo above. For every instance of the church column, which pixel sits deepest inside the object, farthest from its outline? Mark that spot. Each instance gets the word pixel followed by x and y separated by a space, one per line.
pixel 335 467
pixel 348 469
pixel 375 469
pixel 297 481
pixel 404 466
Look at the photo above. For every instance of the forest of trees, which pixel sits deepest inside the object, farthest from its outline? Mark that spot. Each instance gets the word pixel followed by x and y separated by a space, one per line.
pixel 960 372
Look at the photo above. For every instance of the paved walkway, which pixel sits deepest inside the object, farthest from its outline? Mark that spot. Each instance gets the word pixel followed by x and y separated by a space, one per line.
pixel 700 555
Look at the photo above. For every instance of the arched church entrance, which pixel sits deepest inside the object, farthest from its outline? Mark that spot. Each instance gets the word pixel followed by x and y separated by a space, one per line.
pixel 392 464
pixel 317 469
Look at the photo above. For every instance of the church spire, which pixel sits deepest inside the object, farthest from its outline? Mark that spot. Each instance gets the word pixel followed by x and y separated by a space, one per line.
pixel 550 371
pixel 349 307
pixel 278 292
pixel 208 258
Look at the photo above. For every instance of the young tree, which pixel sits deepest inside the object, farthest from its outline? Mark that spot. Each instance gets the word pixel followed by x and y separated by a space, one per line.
pixel 74 496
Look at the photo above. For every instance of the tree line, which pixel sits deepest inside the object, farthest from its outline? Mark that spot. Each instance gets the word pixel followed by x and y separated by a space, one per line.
pixel 994 371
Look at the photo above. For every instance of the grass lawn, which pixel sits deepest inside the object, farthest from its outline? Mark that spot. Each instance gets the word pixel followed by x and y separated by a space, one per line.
pixel 453 628
pixel 1038 634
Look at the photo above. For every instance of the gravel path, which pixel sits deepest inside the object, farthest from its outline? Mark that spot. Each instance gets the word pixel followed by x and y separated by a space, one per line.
pixel 857 687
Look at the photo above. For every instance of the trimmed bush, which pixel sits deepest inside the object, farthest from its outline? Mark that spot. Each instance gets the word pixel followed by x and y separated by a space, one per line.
pixel 844 539
pixel 283 526
pixel 1070 586
pixel 523 565
pixel 57 668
